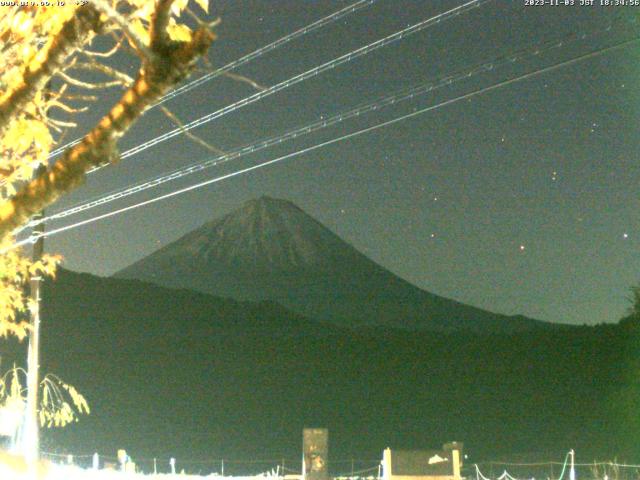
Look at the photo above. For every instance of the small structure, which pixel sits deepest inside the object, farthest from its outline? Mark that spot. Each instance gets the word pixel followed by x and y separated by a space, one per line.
pixel 315 454
pixel 126 464
pixel 442 464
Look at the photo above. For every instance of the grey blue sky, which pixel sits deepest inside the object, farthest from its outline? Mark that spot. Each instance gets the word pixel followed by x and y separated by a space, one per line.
pixel 523 199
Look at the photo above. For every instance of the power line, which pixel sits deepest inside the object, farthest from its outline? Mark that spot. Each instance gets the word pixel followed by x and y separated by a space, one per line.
pixel 347 57
pixel 542 464
pixel 480 476
pixel 357 472
pixel 330 142
pixel 534 464
pixel 257 53
pixel 335 140
pixel 402 95
pixel 360 4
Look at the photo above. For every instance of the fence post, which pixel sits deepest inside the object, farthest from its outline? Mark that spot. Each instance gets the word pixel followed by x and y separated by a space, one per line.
pixel 172 462
pixel 96 461
pixel 155 467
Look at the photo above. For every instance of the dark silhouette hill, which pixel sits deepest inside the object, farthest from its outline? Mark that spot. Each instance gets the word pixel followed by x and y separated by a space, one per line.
pixel 272 250
pixel 185 374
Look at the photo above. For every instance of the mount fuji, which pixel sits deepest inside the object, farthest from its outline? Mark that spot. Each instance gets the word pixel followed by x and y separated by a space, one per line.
pixel 270 249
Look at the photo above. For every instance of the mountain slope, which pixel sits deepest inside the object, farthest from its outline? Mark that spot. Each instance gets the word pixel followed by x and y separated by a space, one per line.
pixel 271 249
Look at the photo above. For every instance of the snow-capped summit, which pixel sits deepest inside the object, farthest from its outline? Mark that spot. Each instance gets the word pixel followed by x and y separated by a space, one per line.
pixel 266 234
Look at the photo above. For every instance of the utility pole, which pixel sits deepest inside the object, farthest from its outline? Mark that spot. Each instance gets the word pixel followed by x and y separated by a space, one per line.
pixel 31 438
pixel 572 470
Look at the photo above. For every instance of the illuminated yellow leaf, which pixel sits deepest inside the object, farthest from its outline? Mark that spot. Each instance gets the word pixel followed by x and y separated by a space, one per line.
pixel 178 6
pixel 204 5
pixel 144 10
pixel 178 32
pixel 139 29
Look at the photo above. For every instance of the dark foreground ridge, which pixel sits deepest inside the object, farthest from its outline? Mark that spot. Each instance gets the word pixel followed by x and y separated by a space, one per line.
pixel 185 374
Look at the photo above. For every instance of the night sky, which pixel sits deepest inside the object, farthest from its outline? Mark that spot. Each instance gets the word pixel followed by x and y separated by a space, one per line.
pixel 521 200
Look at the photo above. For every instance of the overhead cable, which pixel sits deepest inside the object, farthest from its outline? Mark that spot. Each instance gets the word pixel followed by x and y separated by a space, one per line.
pixel 244 60
pixel 397 97
pixel 394 37
pixel 421 111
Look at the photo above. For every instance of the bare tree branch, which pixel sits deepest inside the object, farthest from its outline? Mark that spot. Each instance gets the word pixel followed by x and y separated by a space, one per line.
pixel 124 24
pixel 198 20
pixel 98 147
pixel 88 85
pixel 64 107
pixel 122 77
pixel 72 36
pixel 242 78
pixel 190 135
pixel 77 97
pixel 59 123
pixel 159 22
pixel 108 53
